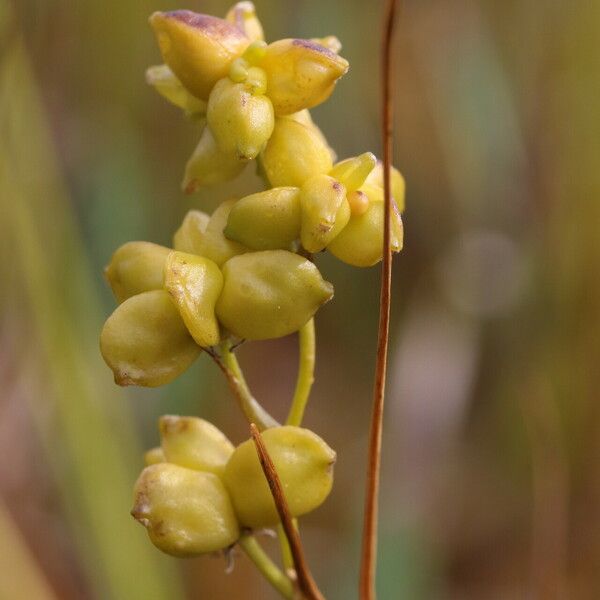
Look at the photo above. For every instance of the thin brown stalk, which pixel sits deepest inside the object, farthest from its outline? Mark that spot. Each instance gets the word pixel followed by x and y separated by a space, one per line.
pixel 369 546
pixel 306 583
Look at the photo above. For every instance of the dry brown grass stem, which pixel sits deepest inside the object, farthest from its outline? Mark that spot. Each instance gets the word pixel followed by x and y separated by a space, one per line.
pixel 369 545
pixel 306 583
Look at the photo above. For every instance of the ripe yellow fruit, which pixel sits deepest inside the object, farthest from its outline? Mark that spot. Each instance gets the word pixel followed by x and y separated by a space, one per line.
pixel 300 74
pixel 352 172
pixel 304 117
pixel 189 235
pixel 198 48
pixel 325 211
pixel 241 121
pixel 243 16
pixel 209 165
pixel 145 341
pixel 136 267
pixel 194 443
pixel 304 464
pixel 186 512
pixel 294 153
pixel 212 243
pixel 270 294
pixel 154 456
pixel 373 186
pixel 167 85
pixel 268 220
pixel 360 243
pixel 194 283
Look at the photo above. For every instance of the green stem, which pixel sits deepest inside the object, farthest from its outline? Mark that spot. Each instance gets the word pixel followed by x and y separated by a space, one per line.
pixel 266 566
pixel 254 412
pixel 286 553
pixel 306 369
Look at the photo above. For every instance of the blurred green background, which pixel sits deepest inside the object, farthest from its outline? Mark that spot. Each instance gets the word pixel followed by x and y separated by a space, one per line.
pixel 491 467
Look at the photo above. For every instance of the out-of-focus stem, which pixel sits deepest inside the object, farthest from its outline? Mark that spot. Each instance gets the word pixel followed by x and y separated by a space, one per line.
pixel 279 580
pixel 251 408
pixel 306 370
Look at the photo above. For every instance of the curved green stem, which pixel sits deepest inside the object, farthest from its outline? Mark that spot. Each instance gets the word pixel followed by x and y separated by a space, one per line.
pixel 266 566
pixel 254 412
pixel 306 369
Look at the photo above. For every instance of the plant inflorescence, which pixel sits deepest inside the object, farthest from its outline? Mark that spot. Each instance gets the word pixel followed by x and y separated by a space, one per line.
pixel 246 272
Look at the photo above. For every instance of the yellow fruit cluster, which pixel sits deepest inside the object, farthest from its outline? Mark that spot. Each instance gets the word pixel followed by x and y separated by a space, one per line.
pixel 198 491
pixel 174 303
pixel 244 272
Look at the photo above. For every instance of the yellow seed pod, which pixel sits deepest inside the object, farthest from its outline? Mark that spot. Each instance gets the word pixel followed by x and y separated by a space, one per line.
pixel 194 283
pixel 304 117
pixel 358 202
pixel 256 83
pixel 136 267
pixel 186 512
pixel 352 172
pixel 163 80
pixel 270 294
pixel 331 42
pixel 212 243
pixel 374 185
pixel 197 48
pixel 294 154
pixel 304 464
pixel 360 243
pixel 194 443
pixel 325 211
pixel 300 74
pixel 243 16
pixel 240 121
pixel 154 456
pixel 187 238
pixel 145 342
pixel 267 220
pixel 209 165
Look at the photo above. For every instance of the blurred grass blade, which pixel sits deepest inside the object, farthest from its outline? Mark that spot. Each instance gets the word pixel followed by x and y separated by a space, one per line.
pixel 92 444
pixel 22 577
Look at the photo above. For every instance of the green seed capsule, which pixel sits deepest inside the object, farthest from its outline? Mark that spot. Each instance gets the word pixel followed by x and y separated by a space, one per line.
pixel 241 122
pixel 167 85
pixel 186 512
pixel 294 154
pixel 194 283
pixel 145 342
pixel 352 172
pixel 360 243
pixel 325 211
pixel 267 220
pixel 189 235
pixel 270 294
pixel 304 464
pixel 154 456
pixel 198 48
pixel 300 74
pixel 212 243
pixel 136 267
pixel 194 443
pixel 243 16
pixel 209 165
